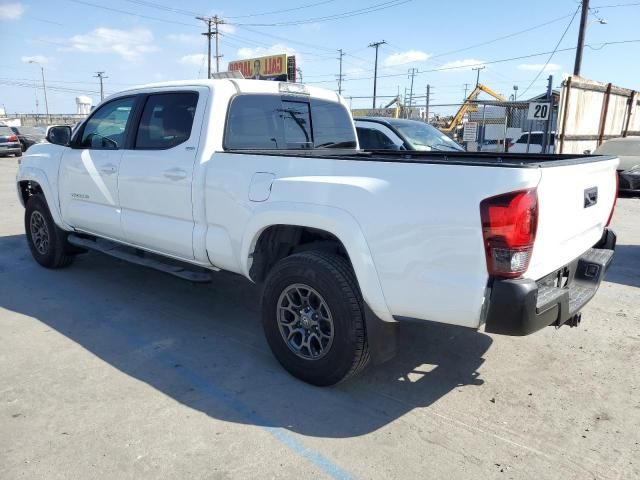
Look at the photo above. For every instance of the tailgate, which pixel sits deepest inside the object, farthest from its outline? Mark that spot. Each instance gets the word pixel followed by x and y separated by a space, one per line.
pixel 574 205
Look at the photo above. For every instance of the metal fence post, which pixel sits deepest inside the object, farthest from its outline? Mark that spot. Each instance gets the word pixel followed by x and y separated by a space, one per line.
pixel 547 126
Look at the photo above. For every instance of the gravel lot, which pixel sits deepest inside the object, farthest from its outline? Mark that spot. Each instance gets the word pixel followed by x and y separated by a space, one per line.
pixel 109 370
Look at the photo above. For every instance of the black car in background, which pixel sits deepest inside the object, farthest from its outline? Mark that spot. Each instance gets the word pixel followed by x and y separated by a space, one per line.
pixel 29 135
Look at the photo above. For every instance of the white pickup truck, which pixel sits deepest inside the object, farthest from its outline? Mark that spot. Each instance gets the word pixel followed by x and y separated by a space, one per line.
pixel 265 179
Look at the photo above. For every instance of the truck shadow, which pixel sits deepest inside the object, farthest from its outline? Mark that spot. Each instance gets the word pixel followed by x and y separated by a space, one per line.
pixel 203 346
pixel 625 268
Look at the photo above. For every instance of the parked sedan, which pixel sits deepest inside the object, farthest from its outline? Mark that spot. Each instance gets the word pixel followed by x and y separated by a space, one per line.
pixel 380 133
pixel 9 143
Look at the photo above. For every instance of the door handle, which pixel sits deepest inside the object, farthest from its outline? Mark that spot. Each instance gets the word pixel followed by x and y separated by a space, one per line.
pixel 175 174
pixel 109 169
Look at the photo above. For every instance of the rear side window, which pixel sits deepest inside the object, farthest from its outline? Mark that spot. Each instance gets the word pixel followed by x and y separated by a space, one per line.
pixel 373 139
pixel 273 122
pixel 166 120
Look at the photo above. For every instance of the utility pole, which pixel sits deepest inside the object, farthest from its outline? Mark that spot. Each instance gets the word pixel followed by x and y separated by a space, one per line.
pixel 466 88
pixel 477 69
pixel 213 29
pixel 100 75
pixel 376 45
pixel 299 72
pixel 412 73
pixel 581 35
pixel 340 76
pixel 426 105
pixel 44 87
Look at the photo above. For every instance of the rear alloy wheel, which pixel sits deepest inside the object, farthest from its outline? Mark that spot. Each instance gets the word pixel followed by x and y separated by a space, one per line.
pixel 305 322
pixel 312 315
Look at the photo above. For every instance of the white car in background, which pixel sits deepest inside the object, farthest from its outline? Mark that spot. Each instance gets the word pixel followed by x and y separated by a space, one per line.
pixel 627 149
pixel 519 145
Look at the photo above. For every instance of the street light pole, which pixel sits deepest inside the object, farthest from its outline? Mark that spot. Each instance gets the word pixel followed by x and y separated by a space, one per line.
pixel 44 88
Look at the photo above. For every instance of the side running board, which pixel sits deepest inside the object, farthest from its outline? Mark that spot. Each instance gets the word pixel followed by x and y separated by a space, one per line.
pixel 143 258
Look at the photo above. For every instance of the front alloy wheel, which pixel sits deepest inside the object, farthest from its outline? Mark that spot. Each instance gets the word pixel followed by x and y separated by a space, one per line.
pixel 39 232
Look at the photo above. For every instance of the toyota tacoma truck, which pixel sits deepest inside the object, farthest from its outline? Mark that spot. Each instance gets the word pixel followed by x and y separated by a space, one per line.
pixel 266 180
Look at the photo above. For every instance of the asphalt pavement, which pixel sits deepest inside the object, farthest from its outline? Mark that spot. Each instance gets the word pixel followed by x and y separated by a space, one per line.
pixel 109 370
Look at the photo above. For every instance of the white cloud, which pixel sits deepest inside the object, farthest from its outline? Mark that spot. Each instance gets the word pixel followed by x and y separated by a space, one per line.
pixel 35 58
pixel 276 49
pixel 354 71
pixel 461 65
pixel 196 59
pixel 129 44
pixel 403 58
pixel 226 28
pixel 186 38
pixel 11 11
pixel 552 67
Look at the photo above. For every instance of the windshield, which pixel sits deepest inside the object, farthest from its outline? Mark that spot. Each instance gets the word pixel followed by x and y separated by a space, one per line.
pixel 425 137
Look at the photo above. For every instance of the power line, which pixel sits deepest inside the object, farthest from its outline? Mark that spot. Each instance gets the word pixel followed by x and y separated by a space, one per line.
pixel 554 51
pixel 117 10
pixel 503 37
pixel 338 16
pixel 309 5
pixel 594 46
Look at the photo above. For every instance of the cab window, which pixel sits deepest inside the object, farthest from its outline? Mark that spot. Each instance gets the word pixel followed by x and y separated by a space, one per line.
pixel 166 120
pixel 106 128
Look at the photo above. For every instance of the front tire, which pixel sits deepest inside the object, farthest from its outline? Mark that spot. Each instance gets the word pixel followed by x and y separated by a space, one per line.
pixel 313 318
pixel 47 242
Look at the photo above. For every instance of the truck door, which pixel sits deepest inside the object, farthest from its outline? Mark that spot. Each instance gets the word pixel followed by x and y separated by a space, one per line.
pixel 156 174
pixel 89 170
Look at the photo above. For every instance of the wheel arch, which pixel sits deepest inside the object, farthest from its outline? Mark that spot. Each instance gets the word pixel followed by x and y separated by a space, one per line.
pixel 329 223
pixel 35 181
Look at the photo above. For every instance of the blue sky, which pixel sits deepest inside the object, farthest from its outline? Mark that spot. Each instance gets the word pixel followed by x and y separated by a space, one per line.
pixel 141 41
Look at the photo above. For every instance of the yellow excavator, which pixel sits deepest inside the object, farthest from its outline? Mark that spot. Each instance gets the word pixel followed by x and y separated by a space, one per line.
pixel 400 108
pixel 468 105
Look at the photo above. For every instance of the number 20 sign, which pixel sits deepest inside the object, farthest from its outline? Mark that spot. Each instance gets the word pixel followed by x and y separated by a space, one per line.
pixel 538 111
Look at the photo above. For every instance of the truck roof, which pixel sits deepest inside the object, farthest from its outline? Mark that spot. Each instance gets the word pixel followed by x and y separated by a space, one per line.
pixel 243 86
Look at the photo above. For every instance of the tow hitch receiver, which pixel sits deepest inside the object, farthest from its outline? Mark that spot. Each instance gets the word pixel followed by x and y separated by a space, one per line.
pixel 573 321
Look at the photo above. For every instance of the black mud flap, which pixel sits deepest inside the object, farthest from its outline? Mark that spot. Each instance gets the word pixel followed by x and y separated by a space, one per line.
pixel 382 337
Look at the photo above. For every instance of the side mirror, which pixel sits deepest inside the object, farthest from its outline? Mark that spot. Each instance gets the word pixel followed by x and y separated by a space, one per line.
pixel 587 152
pixel 59 135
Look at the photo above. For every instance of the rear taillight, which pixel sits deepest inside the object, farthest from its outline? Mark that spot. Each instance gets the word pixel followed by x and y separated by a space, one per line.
pixel 615 198
pixel 509 224
pixel 12 138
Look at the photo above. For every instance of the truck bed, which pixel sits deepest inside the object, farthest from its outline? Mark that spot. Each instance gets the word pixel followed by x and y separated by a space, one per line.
pixel 478 159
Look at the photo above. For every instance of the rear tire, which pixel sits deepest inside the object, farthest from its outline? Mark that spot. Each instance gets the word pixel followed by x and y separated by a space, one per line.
pixel 47 242
pixel 313 317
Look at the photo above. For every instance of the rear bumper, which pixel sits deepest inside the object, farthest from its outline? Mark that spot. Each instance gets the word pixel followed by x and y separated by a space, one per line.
pixel 10 149
pixel 521 307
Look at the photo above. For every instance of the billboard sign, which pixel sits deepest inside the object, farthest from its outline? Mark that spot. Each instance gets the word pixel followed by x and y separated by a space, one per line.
pixel 272 67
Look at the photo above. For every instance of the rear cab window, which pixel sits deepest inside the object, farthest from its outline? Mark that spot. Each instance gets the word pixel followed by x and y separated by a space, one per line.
pixel 167 119
pixel 287 122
